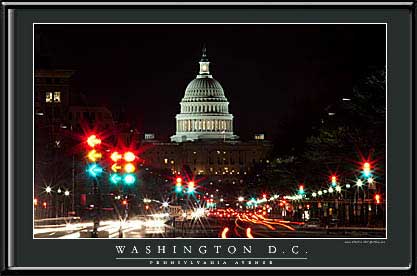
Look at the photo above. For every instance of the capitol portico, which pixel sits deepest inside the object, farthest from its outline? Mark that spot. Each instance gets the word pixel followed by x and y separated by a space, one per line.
pixel 204 109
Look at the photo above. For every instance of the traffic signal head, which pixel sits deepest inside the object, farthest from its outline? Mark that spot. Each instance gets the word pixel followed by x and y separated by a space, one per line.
pixel 334 180
pixel 178 185
pixel 124 202
pixel 44 204
pixel 264 195
pixel 366 169
pixel 301 189
pixel 191 186
pixel 92 141
pixel 377 198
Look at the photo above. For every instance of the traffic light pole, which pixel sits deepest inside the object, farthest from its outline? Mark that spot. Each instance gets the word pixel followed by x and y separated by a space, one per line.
pixel 97 208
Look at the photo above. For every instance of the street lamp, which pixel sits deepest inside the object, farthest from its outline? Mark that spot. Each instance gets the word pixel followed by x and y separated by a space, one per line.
pixel 48 189
pixel 66 193
pixel 240 199
pixel 359 183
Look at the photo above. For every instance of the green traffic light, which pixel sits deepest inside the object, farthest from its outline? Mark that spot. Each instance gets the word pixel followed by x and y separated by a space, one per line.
pixel 129 179
pixel 115 178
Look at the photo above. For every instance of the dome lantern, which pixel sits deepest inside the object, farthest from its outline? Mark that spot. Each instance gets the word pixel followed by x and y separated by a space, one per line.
pixel 204 65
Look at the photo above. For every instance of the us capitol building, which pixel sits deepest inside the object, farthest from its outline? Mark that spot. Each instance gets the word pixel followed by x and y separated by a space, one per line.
pixel 204 141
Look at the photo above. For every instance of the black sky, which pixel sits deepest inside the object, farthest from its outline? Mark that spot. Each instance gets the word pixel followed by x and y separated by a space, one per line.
pixel 277 78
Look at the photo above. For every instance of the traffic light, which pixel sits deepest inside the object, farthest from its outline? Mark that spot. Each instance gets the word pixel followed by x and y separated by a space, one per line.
pixel 93 156
pixel 129 156
pixel 301 189
pixel 123 168
pixel 129 168
pixel 115 178
pixel 178 185
pixel 366 169
pixel 94 170
pixel 191 187
pixel 44 204
pixel 129 179
pixel 334 180
pixel 378 199
pixel 124 202
pixel 93 141
pixel 115 156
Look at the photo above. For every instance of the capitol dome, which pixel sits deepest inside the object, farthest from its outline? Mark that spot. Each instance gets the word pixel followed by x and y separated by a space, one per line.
pixel 204 109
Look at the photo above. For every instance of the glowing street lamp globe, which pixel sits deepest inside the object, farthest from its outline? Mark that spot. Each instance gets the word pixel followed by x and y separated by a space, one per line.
pixel 48 189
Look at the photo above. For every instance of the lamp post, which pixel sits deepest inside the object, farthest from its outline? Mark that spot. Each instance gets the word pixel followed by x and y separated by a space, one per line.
pixel 66 194
pixel 48 191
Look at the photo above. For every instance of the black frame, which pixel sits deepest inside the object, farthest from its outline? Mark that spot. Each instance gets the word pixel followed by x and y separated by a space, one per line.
pixel 5 177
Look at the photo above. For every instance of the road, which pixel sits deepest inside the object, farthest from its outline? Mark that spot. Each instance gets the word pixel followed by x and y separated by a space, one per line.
pixel 240 226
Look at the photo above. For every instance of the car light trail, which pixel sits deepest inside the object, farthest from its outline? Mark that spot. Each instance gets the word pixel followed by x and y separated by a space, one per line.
pixel 249 233
pixel 224 232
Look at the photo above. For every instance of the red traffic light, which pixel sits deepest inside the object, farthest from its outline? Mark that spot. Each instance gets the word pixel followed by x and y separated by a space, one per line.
pixel 264 195
pixel 124 202
pixel 129 156
pixel 115 156
pixel 378 198
pixel 301 187
pixel 44 204
pixel 334 179
pixel 93 140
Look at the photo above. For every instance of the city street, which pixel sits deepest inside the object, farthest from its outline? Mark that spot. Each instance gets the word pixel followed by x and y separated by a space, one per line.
pixel 240 226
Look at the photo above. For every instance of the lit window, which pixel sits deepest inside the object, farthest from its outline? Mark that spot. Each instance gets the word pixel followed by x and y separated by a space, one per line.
pixel 57 97
pixel 48 97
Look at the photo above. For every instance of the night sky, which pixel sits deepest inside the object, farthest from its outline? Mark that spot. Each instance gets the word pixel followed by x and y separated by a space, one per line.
pixel 277 78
